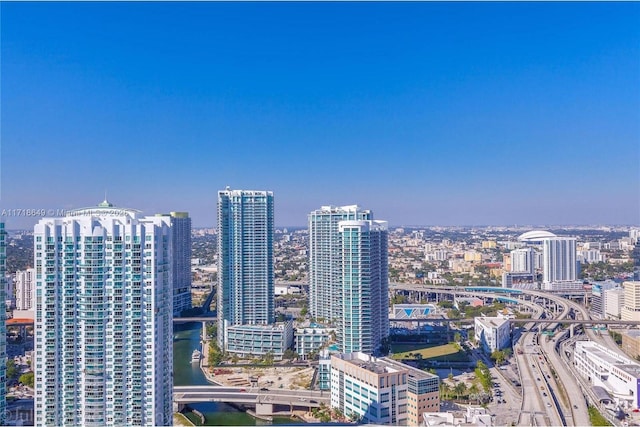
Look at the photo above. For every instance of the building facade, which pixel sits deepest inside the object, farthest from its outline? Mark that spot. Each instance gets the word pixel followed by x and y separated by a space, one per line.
pixel 311 339
pixel 365 286
pixel 325 257
pixel 181 244
pixel 245 259
pixel 493 333
pixel 618 375
pixel 522 261
pixel 103 319
pixel 381 390
pixel 3 325
pixel 558 261
pixel 631 308
pixel 25 289
pixel 631 342
pixel 598 290
pixel 613 302
pixel 259 340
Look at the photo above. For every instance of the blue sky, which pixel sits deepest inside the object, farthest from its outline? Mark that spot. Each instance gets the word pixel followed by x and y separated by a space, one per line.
pixel 427 113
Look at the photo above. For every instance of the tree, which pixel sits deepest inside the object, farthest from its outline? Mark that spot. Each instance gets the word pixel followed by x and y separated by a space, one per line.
pixel 12 369
pixel 289 354
pixel 27 379
pixel 457 337
pixel 474 392
pixel 498 356
pixel 268 358
pixel 460 389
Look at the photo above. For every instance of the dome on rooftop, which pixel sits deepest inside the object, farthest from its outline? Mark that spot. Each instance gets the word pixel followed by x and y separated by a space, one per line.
pixel 535 235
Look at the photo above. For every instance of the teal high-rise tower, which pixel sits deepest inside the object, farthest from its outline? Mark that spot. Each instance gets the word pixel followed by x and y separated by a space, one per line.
pixel 348 275
pixel 245 259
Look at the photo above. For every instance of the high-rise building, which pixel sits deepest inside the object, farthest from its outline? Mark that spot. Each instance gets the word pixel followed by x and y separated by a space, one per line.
pixel 181 231
pixel 245 259
pixel 598 297
pixel 559 261
pixel 3 325
pixel 103 321
pixel 25 289
pixel 365 286
pixel 325 258
pixel 522 261
pixel 631 308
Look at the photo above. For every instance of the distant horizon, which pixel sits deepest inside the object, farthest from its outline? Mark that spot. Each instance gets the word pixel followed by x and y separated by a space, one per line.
pixel 423 112
pixel 412 226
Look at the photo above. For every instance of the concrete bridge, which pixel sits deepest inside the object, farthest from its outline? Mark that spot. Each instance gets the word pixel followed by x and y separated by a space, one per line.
pixel 262 399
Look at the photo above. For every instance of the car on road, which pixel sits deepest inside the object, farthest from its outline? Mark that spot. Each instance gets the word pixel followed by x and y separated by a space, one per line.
pixel 264 389
pixel 549 404
pixel 575 406
pixel 538 378
pixel 544 394
pixel 243 390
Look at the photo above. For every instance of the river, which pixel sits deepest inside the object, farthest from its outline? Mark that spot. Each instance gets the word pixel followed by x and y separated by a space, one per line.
pixel 186 373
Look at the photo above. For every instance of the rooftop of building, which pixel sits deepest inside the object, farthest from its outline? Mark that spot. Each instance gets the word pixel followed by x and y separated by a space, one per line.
pixel 382 365
pixel 102 209
pixel 492 322
pixel 535 235
pixel 619 361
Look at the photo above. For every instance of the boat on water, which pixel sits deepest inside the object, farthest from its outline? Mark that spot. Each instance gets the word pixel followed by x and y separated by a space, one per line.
pixel 195 356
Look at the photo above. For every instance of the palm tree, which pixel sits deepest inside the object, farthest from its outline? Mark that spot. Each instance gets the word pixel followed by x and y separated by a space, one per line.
pixel 460 388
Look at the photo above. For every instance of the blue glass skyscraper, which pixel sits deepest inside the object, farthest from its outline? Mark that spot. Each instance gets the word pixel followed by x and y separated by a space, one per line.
pixel 245 259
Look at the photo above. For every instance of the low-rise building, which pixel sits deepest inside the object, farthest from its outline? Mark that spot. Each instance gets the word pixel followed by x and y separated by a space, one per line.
pixel 473 416
pixel 617 374
pixel 258 340
pixel 631 342
pixel 310 339
pixel 381 390
pixel 493 333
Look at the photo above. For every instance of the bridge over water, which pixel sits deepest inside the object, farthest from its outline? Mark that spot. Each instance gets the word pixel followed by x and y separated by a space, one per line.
pixel 262 399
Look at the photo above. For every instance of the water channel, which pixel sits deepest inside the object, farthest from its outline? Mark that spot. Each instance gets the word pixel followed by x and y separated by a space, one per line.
pixel 185 341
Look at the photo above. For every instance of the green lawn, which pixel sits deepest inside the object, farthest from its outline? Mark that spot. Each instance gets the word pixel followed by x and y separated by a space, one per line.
pixel 441 352
pixel 596 418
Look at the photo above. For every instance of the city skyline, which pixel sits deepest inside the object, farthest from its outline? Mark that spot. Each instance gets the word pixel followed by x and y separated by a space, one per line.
pixel 426 113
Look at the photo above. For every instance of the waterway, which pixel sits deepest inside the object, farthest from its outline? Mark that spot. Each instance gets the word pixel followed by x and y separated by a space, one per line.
pixel 186 373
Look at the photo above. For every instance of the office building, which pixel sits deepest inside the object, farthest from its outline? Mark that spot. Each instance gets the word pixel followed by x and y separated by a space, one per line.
pixel 103 326
pixel 3 325
pixel 631 342
pixel 25 289
pixel 522 261
pixel 613 302
pixel 245 260
pixel 325 256
pixel 181 260
pixel 381 390
pixel 602 367
pixel 493 333
pixel 598 297
pixel 365 286
pixel 631 308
